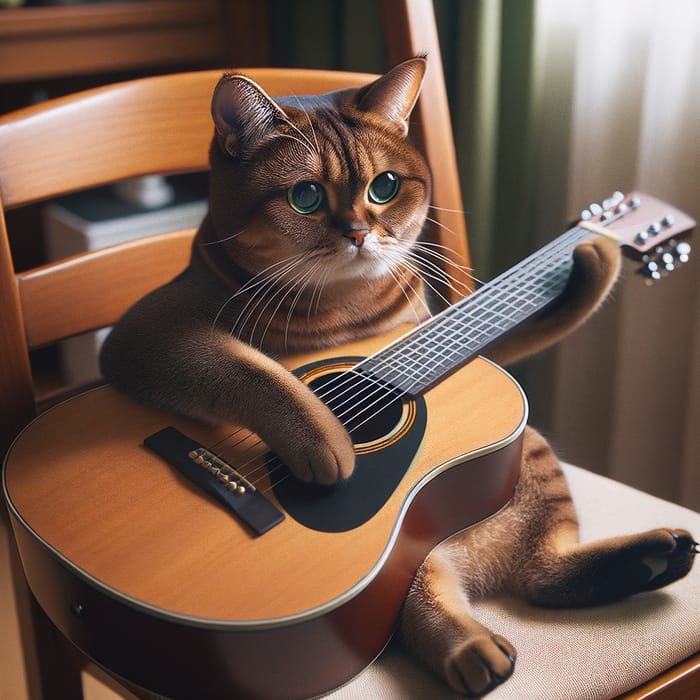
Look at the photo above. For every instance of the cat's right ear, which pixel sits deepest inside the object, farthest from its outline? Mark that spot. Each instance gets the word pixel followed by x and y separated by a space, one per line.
pixel 243 113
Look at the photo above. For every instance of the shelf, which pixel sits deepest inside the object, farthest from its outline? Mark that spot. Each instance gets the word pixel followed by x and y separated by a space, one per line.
pixel 72 40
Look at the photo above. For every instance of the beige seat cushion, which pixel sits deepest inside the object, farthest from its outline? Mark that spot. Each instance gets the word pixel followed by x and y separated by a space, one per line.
pixel 577 654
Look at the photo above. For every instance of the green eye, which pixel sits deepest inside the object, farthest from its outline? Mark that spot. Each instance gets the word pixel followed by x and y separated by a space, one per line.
pixel 384 187
pixel 305 197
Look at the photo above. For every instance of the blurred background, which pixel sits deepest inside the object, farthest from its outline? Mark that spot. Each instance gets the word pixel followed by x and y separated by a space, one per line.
pixel 554 105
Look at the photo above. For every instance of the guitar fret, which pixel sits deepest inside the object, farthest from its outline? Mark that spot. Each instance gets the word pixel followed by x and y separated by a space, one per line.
pixel 462 331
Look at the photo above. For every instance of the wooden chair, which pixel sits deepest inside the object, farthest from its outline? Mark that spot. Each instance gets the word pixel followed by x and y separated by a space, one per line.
pixel 106 135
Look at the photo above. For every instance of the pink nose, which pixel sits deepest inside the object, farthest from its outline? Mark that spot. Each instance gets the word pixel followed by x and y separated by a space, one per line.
pixel 358 237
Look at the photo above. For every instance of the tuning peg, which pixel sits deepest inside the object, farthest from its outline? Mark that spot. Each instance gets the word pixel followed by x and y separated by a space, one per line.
pixel 613 200
pixel 586 215
pixel 683 251
pixel 668 262
pixel 595 209
pixel 664 260
pixel 650 271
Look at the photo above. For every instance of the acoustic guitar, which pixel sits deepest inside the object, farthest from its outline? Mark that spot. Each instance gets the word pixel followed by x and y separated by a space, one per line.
pixel 187 559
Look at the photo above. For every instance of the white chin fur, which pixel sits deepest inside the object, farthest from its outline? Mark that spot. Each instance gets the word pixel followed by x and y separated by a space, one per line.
pixel 365 261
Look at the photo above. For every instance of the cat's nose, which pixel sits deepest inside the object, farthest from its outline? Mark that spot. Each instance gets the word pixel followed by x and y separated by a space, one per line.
pixel 357 236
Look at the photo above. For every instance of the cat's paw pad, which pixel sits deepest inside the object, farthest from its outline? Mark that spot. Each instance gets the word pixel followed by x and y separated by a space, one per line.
pixel 646 562
pixel 327 463
pixel 315 446
pixel 477 665
pixel 670 558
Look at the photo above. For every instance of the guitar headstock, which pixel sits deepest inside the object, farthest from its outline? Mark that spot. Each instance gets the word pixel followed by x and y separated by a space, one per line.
pixel 647 228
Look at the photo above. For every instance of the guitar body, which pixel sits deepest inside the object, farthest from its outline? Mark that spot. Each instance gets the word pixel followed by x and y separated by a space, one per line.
pixel 160 583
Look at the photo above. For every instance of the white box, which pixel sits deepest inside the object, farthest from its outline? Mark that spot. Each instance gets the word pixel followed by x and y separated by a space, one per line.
pixel 96 219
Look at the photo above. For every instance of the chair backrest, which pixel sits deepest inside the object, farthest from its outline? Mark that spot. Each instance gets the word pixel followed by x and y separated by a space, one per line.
pixel 146 126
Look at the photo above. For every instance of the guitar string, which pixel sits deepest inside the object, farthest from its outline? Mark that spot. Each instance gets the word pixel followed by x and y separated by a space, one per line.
pixel 586 233
pixel 442 358
pixel 381 387
pixel 389 359
pixel 444 332
pixel 458 328
pixel 511 279
pixel 561 276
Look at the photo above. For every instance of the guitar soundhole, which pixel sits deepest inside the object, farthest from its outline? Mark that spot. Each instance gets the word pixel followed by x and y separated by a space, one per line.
pixel 387 427
pixel 370 410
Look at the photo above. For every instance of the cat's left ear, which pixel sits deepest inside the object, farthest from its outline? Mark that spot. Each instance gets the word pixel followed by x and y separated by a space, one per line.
pixel 243 113
pixel 394 95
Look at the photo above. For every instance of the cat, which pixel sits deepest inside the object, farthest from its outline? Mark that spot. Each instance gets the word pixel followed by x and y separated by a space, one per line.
pixel 311 239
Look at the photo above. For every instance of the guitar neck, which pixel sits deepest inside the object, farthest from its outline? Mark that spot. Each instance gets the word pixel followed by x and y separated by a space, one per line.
pixel 445 342
pixel 641 224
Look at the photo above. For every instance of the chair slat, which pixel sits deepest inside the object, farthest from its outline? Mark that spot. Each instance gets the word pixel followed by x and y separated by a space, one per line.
pixel 92 290
pixel 142 127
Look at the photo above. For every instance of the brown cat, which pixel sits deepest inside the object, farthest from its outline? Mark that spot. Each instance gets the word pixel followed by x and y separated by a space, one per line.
pixel 316 205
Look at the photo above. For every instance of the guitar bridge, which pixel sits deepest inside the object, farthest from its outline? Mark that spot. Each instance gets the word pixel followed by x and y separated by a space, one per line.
pixel 217 477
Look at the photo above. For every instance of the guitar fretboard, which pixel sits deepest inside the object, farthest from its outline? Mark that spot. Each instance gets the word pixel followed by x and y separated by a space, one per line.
pixel 447 341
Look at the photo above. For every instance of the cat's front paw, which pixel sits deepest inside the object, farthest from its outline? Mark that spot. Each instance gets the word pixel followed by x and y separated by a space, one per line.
pixel 325 460
pixel 479 664
pixel 315 446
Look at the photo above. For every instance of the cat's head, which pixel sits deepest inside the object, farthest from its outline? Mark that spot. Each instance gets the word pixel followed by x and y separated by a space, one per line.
pixel 328 183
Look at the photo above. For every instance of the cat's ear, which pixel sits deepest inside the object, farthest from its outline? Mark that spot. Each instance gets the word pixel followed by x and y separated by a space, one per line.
pixel 394 95
pixel 243 113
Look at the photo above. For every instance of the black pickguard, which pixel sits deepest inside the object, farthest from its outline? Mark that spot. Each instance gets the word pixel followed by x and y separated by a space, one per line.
pixel 383 456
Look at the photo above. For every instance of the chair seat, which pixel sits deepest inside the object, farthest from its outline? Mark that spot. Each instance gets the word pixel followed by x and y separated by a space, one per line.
pixel 594 653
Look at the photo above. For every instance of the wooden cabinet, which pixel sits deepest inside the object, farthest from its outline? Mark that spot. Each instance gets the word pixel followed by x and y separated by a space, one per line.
pixel 141 35
pixel 48 51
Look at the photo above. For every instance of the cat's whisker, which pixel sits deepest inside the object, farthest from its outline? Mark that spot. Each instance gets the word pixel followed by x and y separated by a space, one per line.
pixel 270 272
pixel 283 292
pixel 260 296
pixel 256 280
pixel 408 259
pixel 436 247
pixel 397 259
pixel 317 292
pixel 420 248
pixel 393 274
pixel 449 211
pixel 223 240
pixel 304 143
pixel 263 285
pixel 308 119
pixel 441 225
pixel 438 273
pixel 259 284
pixel 428 269
pixel 301 284
pixel 412 267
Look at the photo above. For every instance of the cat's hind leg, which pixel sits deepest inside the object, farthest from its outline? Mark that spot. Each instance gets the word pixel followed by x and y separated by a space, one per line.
pixel 554 569
pixel 437 627
pixel 607 570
